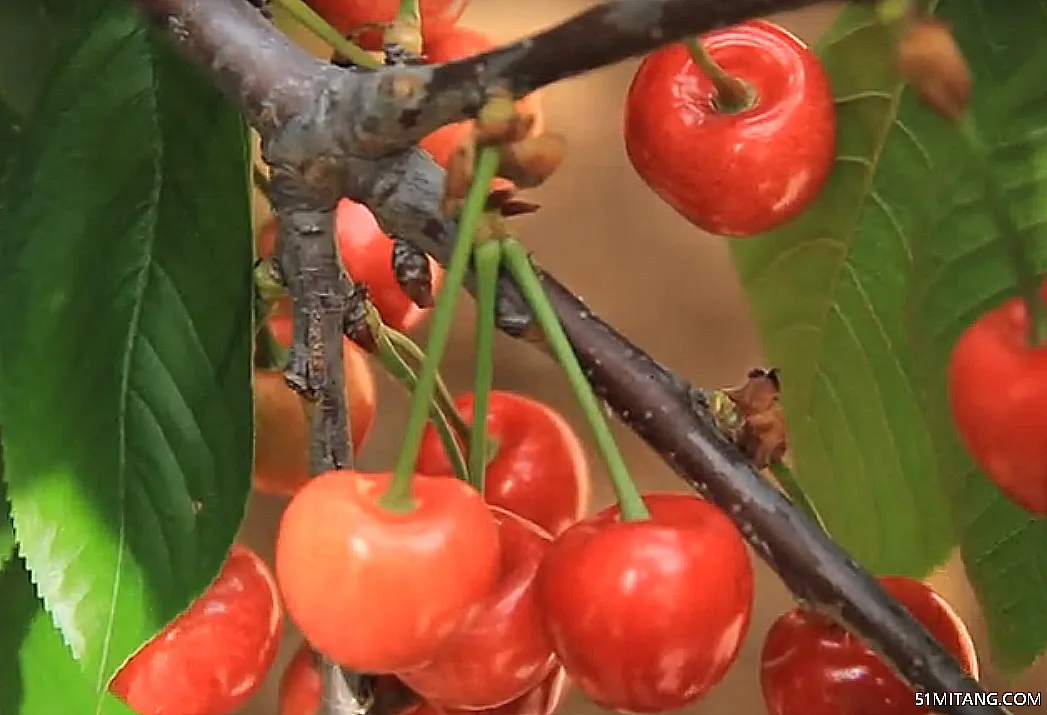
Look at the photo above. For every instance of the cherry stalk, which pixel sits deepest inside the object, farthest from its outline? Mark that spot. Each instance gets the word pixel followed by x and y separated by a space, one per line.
pixel 733 94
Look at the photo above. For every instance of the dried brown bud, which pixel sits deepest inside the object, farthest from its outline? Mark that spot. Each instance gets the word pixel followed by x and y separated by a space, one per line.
pixel 500 121
pixel 931 61
pixel 459 176
pixel 528 163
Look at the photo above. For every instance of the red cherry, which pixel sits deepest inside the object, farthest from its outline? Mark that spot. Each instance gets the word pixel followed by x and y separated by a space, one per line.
pixel 647 616
pixel 812 666
pixel 215 656
pixel 503 651
pixel 349 17
pixel 301 686
pixel 281 448
pixel 416 575
pixel 368 257
pixel 543 700
pixel 540 471
pixel 998 397
pixel 742 173
pixel 449 43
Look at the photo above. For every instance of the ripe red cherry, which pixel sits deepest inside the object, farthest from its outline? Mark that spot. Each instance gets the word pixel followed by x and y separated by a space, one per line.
pixel 352 16
pixel 647 616
pixel 503 651
pixel 811 666
pixel 543 700
pixel 215 656
pixel 998 396
pixel 417 575
pixel 455 43
pixel 734 174
pixel 281 448
pixel 540 471
pixel 368 257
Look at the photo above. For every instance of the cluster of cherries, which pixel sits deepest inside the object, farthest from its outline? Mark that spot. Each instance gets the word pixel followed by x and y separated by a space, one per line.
pixel 496 602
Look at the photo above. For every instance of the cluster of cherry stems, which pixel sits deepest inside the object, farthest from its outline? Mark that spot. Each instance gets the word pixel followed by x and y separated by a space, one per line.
pixel 470 572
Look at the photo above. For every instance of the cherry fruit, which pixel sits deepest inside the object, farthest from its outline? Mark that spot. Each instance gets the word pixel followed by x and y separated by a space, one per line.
pixel 214 656
pixel 540 470
pixel 358 18
pixel 417 575
pixel 503 651
pixel 734 173
pixel 646 616
pixel 281 448
pixel 812 666
pixel 998 397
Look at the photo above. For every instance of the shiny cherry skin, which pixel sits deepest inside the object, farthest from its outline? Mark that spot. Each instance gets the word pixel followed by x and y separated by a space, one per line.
pixel 812 666
pixel 540 470
pixel 281 448
pixel 503 651
pixel 646 617
pixel 354 17
pixel 450 43
pixel 417 574
pixel 543 700
pixel 742 173
pixel 997 386
pixel 214 656
pixel 367 253
pixel 301 689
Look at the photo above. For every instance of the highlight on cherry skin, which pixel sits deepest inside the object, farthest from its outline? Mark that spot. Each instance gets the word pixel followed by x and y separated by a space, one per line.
pixel 812 666
pixel 214 656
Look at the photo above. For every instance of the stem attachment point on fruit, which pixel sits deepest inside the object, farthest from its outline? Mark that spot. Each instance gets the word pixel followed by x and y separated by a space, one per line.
pixel 310 20
pixel 631 505
pixel 398 496
pixel 732 94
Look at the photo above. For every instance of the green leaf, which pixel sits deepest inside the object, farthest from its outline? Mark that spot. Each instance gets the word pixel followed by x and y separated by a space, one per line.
pixel 125 340
pixel 960 271
pixel 828 295
pixel 35 666
pixel 883 273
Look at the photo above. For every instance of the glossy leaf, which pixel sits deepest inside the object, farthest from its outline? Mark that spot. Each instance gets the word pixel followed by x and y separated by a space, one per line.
pixel 35 666
pixel 883 274
pixel 125 275
pixel 828 295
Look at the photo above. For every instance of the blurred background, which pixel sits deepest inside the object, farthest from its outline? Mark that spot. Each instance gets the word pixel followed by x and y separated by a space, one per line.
pixel 640 266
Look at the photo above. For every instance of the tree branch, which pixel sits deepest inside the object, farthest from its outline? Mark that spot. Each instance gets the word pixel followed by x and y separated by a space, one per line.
pixel 333 132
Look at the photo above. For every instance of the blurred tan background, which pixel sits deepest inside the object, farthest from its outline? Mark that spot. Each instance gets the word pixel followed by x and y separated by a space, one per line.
pixel 664 284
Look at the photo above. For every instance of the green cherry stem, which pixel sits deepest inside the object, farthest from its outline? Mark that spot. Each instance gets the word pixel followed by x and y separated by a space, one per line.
pixel 409 11
pixel 487 259
pixel 787 479
pixel 1028 282
pixel 733 95
pixel 443 397
pixel 629 500
pixel 307 18
pixel 398 496
pixel 394 363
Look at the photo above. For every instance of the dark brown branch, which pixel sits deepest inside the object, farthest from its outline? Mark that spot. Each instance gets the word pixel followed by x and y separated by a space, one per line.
pixel 259 68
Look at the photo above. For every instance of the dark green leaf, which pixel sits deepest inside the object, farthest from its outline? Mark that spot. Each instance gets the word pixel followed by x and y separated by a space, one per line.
pixel 38 676
pixel 828 293
pixel 883 274
pixel 125 350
